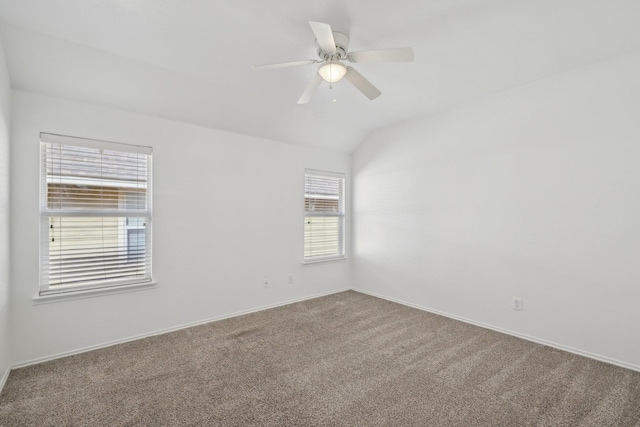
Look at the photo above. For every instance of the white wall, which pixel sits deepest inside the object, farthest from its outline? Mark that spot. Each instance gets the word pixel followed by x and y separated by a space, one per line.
pixel 227 214
pixel 531 193
pixel 5 93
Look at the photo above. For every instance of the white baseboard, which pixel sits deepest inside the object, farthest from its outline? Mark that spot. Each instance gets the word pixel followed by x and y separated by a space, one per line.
pixel 4 378
pixel 579 352
pixel 166 330
pixel 308 297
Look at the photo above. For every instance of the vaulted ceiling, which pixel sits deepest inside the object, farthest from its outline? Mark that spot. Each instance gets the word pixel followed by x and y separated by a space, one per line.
pixel 191 60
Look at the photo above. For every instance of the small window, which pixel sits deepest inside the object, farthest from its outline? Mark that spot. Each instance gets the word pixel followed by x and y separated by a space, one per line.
pixel 324 216
pixel 95 213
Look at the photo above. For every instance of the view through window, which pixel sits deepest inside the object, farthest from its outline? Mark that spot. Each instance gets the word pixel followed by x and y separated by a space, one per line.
pixel 324 219
pixel 95 214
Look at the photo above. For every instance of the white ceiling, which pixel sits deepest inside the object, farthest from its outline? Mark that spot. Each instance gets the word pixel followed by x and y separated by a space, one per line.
pixel 190 60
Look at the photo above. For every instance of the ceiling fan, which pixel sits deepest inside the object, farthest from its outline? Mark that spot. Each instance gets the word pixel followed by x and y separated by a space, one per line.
pixel 333 48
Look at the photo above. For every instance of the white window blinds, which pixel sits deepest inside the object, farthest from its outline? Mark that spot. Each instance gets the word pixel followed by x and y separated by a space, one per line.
pixel 95 211
pixel 324 216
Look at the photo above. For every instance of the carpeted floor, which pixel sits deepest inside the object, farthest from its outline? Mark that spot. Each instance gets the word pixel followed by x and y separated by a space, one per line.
pixel 343 360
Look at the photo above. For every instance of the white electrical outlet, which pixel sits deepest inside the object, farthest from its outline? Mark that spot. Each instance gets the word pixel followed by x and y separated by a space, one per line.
pixel 516 303
pixel 265 283
pixel 290 279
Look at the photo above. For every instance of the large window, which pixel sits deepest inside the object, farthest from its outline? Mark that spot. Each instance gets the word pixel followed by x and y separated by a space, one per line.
pixel 324 213
pixel 95 211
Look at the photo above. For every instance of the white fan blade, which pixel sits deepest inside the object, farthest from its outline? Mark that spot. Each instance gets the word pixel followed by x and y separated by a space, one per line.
pixel 362 84
pixel 324 35
pixel 401 54
pixel 284 64
pixel 311 89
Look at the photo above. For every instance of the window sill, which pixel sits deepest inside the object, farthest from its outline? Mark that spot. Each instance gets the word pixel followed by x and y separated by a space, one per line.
pixel 90 293
pixel 320 261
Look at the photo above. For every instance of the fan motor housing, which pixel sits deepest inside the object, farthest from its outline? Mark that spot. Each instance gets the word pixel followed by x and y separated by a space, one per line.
pixel 342 47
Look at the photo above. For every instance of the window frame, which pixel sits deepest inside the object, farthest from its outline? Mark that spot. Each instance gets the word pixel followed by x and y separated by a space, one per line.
pixel 341 214
pixel 46 289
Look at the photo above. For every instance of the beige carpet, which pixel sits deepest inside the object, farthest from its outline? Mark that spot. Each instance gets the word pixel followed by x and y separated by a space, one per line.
pixel 346 359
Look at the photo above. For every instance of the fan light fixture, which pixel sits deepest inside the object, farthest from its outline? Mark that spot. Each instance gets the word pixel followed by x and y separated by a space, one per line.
pixel 332 71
